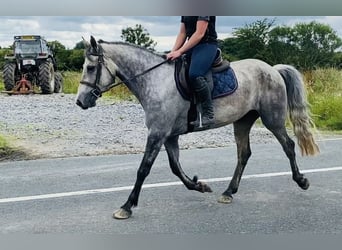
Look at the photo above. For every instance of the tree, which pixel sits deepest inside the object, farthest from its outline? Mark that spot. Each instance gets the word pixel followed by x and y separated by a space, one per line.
pixel 76 59
pixel 281 47
pixel 139 36
pixel 3 53
pixel 337 60
pixel 229 48
pixel 68 59
pixel 305 45
pixel 56 46
pixel 315 43
pixel 252 39
pixel 79 45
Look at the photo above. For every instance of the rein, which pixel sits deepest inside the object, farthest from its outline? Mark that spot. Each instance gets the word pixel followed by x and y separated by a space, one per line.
pixel 144 72
pixel 97 92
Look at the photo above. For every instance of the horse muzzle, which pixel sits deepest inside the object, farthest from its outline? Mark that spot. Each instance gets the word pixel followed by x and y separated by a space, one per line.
pixel 86 101
pixel 87 96
pixel 79 103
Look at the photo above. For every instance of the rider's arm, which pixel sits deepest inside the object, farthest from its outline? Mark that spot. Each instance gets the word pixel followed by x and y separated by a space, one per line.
pixel 201 28
pixel 181 46
pixel 181 37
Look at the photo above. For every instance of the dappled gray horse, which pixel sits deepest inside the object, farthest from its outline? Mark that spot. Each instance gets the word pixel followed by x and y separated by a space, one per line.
pixel 264 91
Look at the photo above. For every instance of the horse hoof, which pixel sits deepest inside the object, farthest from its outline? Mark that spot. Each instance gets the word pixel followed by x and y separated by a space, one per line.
pixel 304 184
pixel 204 188
pixel 225 199
pixel 121 214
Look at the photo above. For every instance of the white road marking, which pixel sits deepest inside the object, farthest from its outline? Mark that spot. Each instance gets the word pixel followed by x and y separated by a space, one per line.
pixel 331 139
pixel 154 185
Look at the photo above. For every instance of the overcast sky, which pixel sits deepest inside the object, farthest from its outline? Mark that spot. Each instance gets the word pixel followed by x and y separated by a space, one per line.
pixel 69 29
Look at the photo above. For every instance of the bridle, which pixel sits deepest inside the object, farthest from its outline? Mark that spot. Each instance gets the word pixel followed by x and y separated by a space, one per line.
pixel 97 92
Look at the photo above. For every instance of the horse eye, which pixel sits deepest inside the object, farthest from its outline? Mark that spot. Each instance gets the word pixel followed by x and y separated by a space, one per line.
pixel 90 68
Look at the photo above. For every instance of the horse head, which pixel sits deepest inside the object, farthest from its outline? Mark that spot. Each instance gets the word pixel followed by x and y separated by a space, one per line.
pixel 98 75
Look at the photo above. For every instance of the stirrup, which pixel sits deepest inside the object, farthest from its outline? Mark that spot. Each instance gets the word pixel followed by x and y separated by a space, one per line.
pixel 199 123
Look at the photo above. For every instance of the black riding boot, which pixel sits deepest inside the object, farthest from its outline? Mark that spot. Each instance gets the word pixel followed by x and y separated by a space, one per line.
pixel 203 96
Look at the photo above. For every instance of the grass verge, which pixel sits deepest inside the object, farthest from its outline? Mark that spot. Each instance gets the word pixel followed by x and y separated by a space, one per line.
pixel 7 152
pixel 324 87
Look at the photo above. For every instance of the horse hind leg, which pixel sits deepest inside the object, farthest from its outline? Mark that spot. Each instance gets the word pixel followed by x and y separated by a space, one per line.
pixel 288 146
pixel 172 149
pixel 242 129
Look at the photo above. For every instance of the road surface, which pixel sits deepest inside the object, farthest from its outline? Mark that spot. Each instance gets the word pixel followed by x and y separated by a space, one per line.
pixel 78 195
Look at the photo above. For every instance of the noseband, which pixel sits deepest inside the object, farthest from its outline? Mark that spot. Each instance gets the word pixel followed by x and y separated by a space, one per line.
pixel 97 92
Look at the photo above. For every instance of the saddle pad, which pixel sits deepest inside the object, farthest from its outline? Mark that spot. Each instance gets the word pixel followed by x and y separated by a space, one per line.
pixel 225 83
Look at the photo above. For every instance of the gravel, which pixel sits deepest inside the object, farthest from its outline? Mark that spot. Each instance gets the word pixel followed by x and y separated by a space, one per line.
pixel 49 126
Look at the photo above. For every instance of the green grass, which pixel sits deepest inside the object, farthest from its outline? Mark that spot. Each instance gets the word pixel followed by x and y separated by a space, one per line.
pixel 3 143
pixel 6 151
pixel 72 80
pixel 328 81
pixel 327 111
pixel 324 87
pixel 120 93
pixel 10 152
pixel 2 87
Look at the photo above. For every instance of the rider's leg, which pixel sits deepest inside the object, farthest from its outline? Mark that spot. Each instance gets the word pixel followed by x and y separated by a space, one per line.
pixel 203 96
pixel 202 57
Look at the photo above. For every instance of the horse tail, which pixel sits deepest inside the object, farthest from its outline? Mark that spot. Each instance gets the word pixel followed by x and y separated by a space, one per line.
pixel 298 109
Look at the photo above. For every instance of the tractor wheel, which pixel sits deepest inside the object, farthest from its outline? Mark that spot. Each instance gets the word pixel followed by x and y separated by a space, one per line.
pixel 46 77
pixel 58 82
pixel 9 76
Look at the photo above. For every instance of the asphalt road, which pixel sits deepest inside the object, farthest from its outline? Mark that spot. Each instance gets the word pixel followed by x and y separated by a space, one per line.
pixel 78 195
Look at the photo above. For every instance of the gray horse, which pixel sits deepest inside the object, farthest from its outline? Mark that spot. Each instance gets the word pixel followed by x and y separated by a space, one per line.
pixel 264 91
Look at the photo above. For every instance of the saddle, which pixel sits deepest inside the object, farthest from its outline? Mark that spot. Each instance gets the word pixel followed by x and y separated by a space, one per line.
pixel 182 73
pixel 221 79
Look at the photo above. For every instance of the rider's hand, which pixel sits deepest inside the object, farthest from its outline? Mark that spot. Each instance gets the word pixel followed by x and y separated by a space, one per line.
pixel 173 55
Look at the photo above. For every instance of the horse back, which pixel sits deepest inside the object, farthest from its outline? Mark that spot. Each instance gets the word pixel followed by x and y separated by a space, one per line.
pixel 259 85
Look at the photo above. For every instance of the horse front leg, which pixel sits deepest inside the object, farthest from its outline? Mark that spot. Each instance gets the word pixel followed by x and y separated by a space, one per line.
pixel 154 143
pixel 172 149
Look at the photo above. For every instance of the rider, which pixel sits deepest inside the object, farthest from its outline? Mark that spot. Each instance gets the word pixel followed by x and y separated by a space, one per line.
pixel 197 38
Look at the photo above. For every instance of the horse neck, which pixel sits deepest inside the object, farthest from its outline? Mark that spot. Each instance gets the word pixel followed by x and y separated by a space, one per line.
pixel 131 61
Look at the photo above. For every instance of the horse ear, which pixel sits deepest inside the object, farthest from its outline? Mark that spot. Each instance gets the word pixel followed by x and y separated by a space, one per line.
pixel 85 43
pixel 93 42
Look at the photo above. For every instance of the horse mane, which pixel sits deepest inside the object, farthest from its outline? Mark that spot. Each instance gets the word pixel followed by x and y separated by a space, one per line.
pixel 161 55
